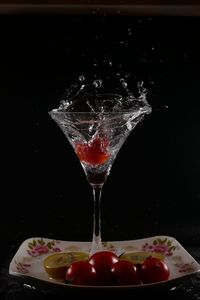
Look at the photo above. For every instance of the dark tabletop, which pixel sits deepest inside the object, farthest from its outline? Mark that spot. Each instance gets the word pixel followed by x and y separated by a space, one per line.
pixel 154 183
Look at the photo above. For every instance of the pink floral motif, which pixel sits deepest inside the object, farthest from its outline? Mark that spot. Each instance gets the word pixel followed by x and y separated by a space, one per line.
pixel 184 268
pixel 164 247
pixel 39 247
pixel 22 268
pixel 38 250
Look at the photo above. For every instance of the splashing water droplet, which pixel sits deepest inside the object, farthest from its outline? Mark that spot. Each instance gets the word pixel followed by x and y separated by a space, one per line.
pixel 81 78
pixel 123 83
pixel 127 75
pixel 141 88
pixel 95 64
pixel 129 31
pixel 97 83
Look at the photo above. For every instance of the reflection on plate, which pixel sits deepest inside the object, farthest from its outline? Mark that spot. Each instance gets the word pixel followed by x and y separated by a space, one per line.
pixel 28 261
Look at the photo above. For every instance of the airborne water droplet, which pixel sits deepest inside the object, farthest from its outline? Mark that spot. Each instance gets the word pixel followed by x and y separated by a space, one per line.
pixel 127 75
pixel 129 31
pixel 141 89
pixel 97 83
pixel 123 82
pixel 81 78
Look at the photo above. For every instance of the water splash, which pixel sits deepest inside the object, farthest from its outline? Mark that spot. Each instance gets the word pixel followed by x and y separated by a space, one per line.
pixel 101 96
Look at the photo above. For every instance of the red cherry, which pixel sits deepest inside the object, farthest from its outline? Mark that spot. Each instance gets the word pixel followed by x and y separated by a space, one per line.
pixel 103 262
pixel 154 270
pixel 125 273
pixel 94 153
pixel 81 273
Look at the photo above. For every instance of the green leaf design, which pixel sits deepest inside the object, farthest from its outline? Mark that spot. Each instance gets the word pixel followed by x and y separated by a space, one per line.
pixel 162 242
pixel 30 245
pixel 169 243
pixel 172 248
pixel 49 245
pixel 34 243
pixel 155 242
pixel 41 242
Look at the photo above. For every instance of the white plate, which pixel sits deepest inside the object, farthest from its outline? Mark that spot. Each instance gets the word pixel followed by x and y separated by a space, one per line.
pixel 28 261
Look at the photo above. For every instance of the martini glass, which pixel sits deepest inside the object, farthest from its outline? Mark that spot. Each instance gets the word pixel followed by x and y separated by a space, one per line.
pixel 96 138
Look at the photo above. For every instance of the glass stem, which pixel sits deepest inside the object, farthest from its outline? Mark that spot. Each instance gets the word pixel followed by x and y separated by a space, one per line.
pixel 96 241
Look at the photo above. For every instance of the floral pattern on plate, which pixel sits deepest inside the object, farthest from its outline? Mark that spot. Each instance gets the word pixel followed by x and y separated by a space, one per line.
pixel 39 246
pixel 28 261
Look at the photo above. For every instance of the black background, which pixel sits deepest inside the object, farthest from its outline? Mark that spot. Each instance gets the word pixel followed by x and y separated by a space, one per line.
pixel 154 183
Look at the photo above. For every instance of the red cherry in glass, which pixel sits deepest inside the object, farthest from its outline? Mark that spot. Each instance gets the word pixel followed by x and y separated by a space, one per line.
pixel 94 152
